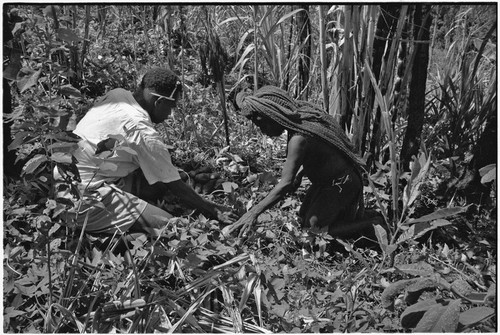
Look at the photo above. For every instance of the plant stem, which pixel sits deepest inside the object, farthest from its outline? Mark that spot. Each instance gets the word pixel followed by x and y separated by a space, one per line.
pixel 322 51
pixel 255 26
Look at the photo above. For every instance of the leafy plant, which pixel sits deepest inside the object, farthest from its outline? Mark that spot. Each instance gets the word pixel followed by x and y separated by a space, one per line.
pixel 283 278
pixel 449 307
pixel 464 100
pixel 269 42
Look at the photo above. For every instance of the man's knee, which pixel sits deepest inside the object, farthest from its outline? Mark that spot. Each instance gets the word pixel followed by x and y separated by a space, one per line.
pixel 152 220
pixel 313 221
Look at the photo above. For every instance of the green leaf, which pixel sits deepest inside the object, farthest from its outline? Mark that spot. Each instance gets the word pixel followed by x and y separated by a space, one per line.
pixel 10 312
pixel 461 286
pixel 416 269
pixel 249 287
pixel 475 315
pixel 20 138
pixel 108 166
pixel 448 320
pixel 390 292
pixel 477 297
pixel 34 163
pixel 63 147
pixel 278 284
pixel 68 35
pixel 412 315
pixel 127 150
pixel 439 214
pixel 229 187
pixel 422 228
pixel 71 91
pixel 10 71
pixel 62 157
pixel 27 78
pixel 415 290
pixel 381 235
pixel 248 49
pixel 54 244
pixel 419 171
pixel 68 315
pixel 286 16
pixel 488 173
pixel 50 10
pixel 429 319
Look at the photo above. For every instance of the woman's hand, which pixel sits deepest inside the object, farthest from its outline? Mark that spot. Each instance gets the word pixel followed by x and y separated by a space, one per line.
pixel 245 223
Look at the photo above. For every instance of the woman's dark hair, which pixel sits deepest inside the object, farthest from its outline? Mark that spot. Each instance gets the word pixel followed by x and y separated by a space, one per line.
pixel 162 81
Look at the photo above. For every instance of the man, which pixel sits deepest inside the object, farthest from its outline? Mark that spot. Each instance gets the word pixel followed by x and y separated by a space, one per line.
pixel 318 149
pixel 122 160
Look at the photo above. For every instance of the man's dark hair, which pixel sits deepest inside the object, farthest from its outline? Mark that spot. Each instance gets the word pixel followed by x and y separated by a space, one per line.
pixel 162 81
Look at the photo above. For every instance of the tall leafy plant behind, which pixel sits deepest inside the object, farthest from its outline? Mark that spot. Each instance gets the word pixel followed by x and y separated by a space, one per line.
pixel 361 116
pixel 45 99
pixel 402 226
pixel 463 101
pixel 271 41
pixel 323 61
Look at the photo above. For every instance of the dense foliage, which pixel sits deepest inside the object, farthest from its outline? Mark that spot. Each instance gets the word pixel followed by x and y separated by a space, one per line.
pixel 434 270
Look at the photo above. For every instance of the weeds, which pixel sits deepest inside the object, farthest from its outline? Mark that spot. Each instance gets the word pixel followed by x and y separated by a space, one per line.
pixel 434 270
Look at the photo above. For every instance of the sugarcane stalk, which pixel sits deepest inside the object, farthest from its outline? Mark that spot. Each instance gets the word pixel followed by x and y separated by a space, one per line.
pixel 222 95
pixel 322 50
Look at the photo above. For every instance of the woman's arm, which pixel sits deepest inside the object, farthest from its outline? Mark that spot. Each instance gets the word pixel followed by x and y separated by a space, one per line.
pixel 294 160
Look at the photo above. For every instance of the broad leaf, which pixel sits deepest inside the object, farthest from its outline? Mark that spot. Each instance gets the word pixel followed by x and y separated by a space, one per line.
pixel 27 78
pixel 62 157
pixel 412 315
pixel 68 35
pixel 416 269
pixel 50 10
pixel 69 90
pixel 475 315
pixel 419 171
pixel 420 228
pixel 393 290
pixel 10 71
pixel 461 286
pixel 68 147
pixel 381 235
pixel 429 319
pixel 415 290
pixel 439 214
pixel 108 166
pixel 229 187
pixel 448 320
pixel 128 150
pixel 19 139
pixel 34 163
pixel 488 173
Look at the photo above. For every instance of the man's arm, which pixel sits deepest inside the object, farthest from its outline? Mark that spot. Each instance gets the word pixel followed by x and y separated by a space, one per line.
pixel 194 200
pixel 294 160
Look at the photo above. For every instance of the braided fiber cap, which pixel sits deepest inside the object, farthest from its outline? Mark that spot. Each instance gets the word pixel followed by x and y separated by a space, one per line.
pixel 298 116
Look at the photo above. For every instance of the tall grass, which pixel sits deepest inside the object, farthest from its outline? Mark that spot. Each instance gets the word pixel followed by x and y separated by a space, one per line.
pixel 267 25
pixel 464 95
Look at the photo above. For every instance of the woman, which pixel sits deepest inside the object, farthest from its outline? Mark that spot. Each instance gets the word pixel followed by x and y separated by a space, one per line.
pixel 318 149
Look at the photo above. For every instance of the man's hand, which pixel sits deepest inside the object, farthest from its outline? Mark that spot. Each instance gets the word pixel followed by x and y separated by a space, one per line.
pixel 245 223
pixel 298 179
pixel 225 214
